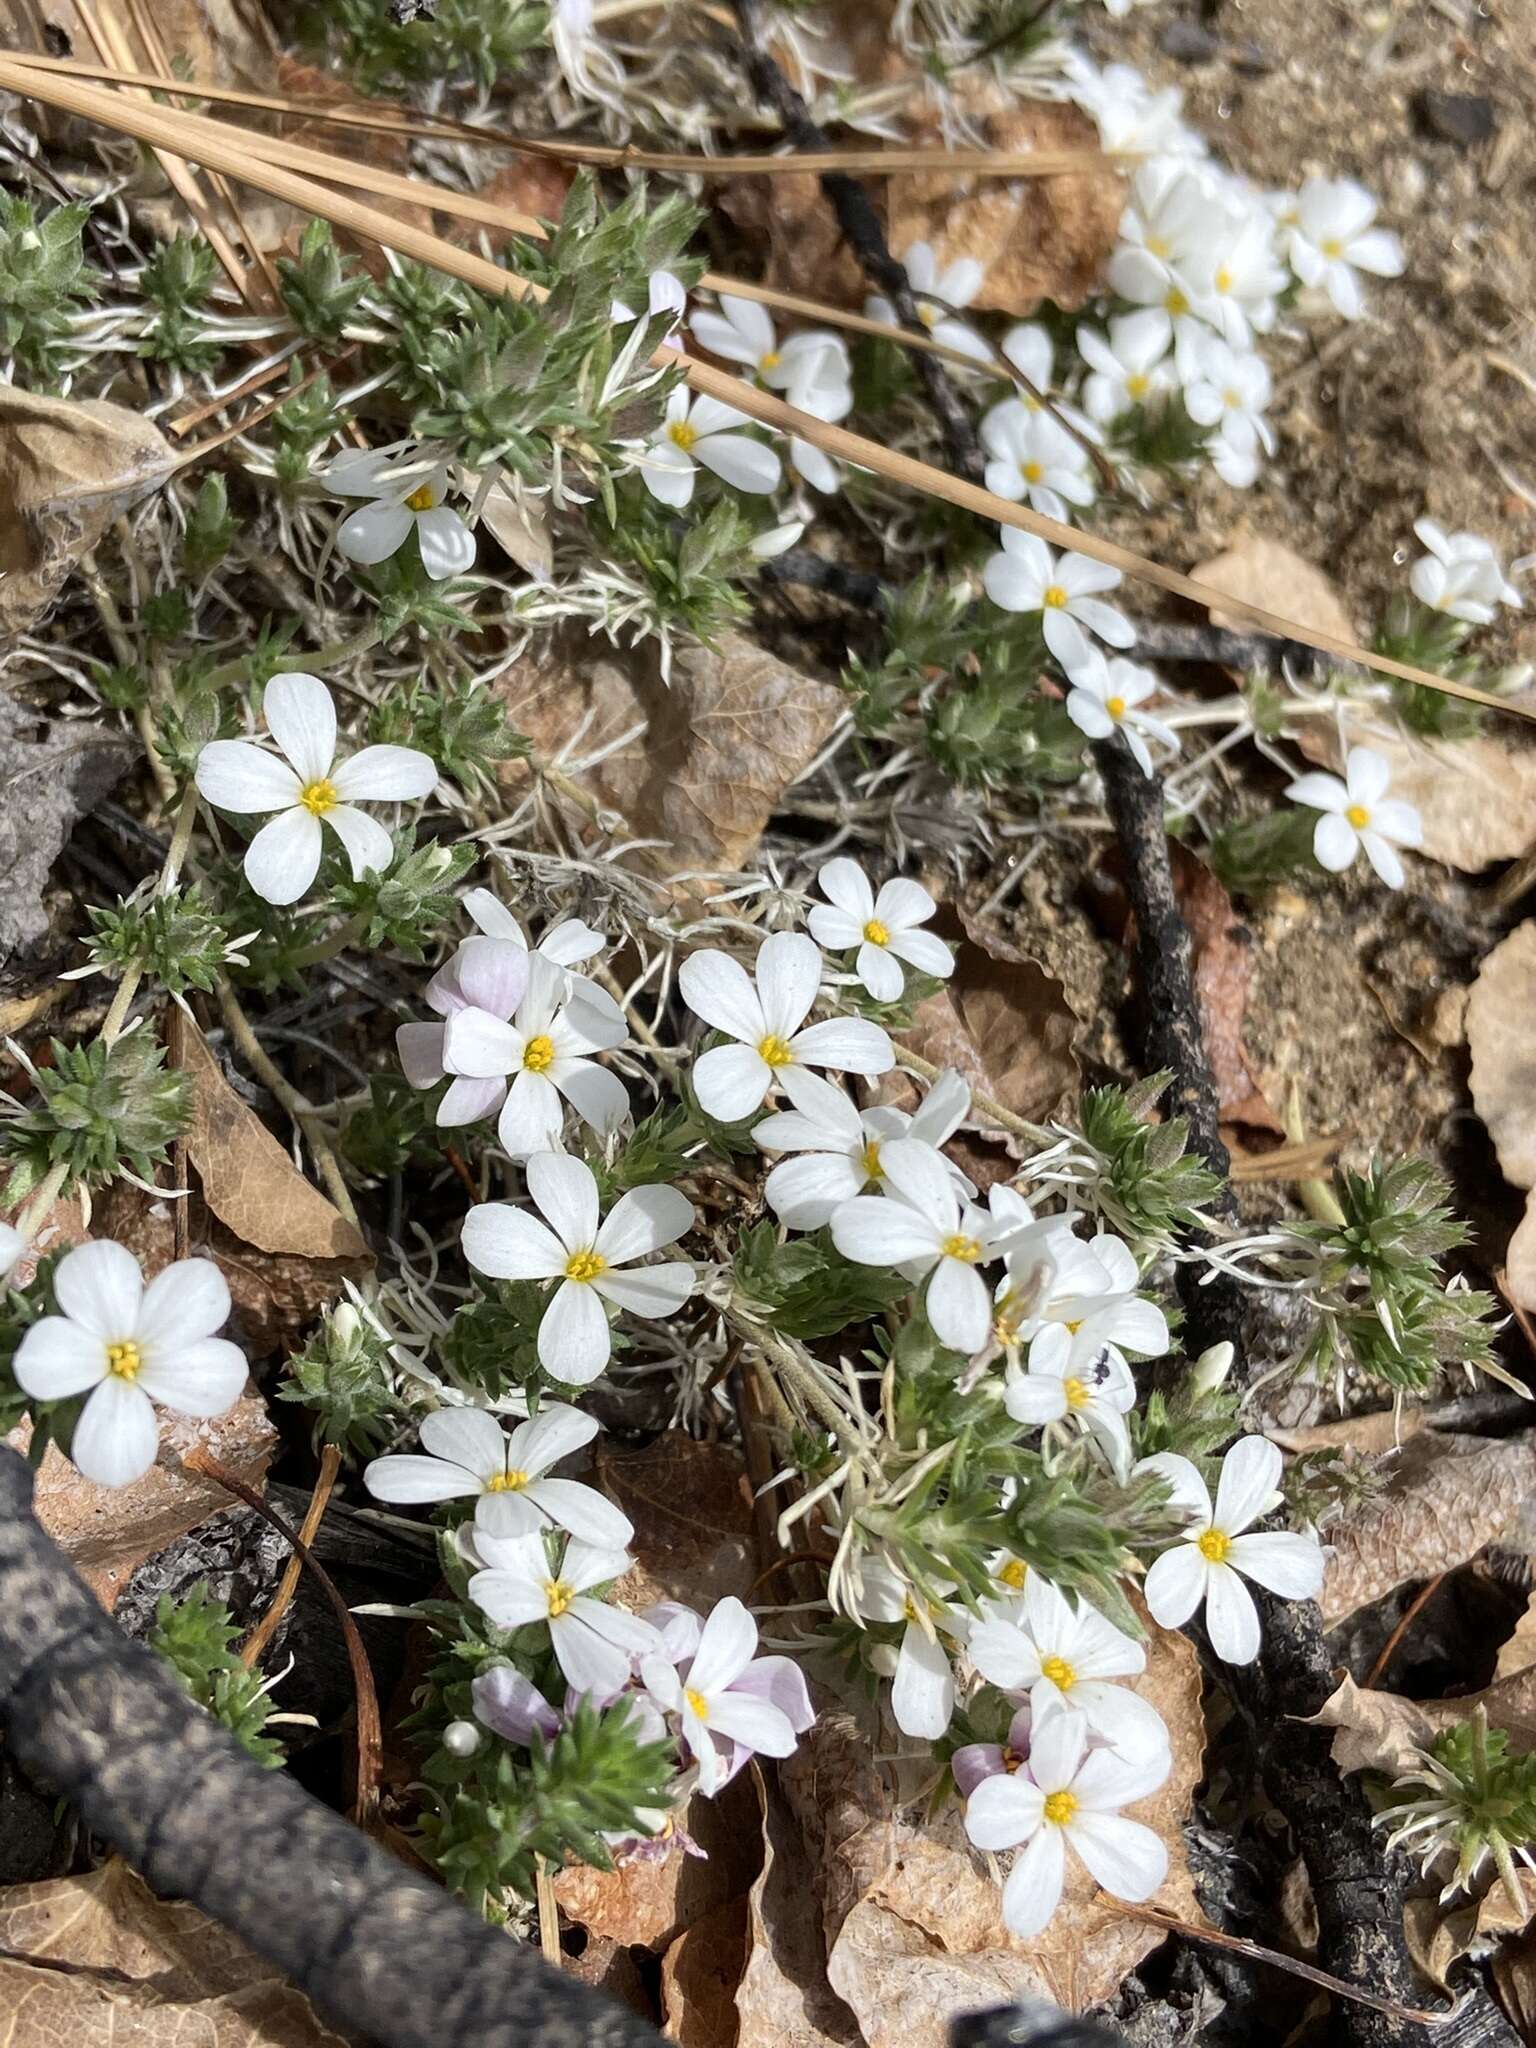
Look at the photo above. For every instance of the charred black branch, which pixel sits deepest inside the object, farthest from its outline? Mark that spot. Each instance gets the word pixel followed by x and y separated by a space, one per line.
pixel 383 1952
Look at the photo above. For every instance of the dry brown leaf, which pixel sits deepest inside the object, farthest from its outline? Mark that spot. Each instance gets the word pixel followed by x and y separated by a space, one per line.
pixel 107 1531
pixel 784 1999
pixel 691 1506
pixel 249 1181
pixel 1035 238
pixel 1500 1013
pixel 707 756
pixel 914 1918
pixel 1267 573
pixel 68 468
pixel 1449 1496
pixel 651 1899
pixel 118 1968
pixel 699 1976
pixel 1514 1977
pixel 1385 1429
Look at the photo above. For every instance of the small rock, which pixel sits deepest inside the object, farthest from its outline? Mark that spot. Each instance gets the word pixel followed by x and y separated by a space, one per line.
pixel 1463 117
pixel 1189 42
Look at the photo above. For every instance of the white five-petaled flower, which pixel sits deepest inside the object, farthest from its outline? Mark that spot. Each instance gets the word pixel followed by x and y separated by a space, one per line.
pixel 586 1257
pixel 468 1453
pixel 308 787
pixel 1032 353
pixel 1358 812
pixel 1333 238
pixel 404 499
pixel 921 1673
pixel 593 1642
pixel 1033 458
pixel 1106 696
pixel 1068 1795
pixel 1229 392
pixel 886 929
pixel 765 1012
pixel 1461 575
pixel 953 287
pixel 489 975
pixel 546 1051
pixel 1130 116
pixel 1215 1555
pixel 1028 577
pixel 711 1701
pixel 705 431
pixel 567 944
pixel 1065 1654
pixel 1238 277
pixel 1129 366
pixel 743 332
pixel 837 1146
pixel 128 1346
pixel 921 1227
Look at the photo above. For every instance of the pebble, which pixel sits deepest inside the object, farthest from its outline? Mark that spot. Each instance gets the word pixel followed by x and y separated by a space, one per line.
pixel 1463 117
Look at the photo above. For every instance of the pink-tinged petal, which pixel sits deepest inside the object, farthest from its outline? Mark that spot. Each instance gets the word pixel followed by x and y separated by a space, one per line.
pixel 420 1051
pixel 508 1244
pixel 973 1763
pixel 564 1190
pixel 730 1081
pixel 385 774
pixel 302 719
pixel 781 1682
pixel 466 1101
pixel 1281 1561
pixel 923 1691
pixel 643 1221
pixel 875 1231
pixel 1175 1585
pixel 205 1377
pixel 409 1481
pixel 283 859
pixel 480 1045
pixel 56 1359
pixel 374 532
pixel 727 1646
pixel 1004 1811
pixel 369 847
pixel 1033 1890
pixel 1250 1479
pixel 467 1437
pixel 1231 1619
pixel 654 1291
pixel 100 1287
pixel 187 1300
pixel 849 1045
pixel 574 1342
pixel 447 546
pixel 1122 1856
pixel 720 991
pixel 117 1437
pixel 512 1706
pixel 756 1723
pixel 235 776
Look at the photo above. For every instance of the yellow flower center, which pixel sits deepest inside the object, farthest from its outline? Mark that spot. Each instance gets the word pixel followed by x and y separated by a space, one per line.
pixel 682 435
pixel 584 1266
pixel 929 315
pixel 1058 1671
pixel 1213 1545
pixel 1358 816
pixel 1013 1574
pixel 422 499
pixel 538 1054
pixel 506 1482
pixel 697 1701
pixel 1223 279
pixel 769 361
pixel 558 1596
pixel 1073 1328
pixel 775 1051
pixel 1157 245
pixel 1176 303
pixel 1077 1394
pixel 876 933
pixel 1333 248
pixel 319 797
pixel 1233 400
pixel 1115 706
pixel 1055 598
pixel 966 1249
pixel 1060 1807
pixel 1138 384
pixel 1031 471
pixel 870 1161
pixel 125 1360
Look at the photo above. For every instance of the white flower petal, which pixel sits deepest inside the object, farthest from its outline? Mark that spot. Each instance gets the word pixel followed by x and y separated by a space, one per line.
pixel 465 1436
pixel 283 859
pixel 880 972
pixel 788 976
pixel 1033 1889
pixel 235 776
pixel 302 719
pixel 446 543
pixel 720 991
pixel 1231 1619
pixel 419 1048
pixel 844 884
pixel 408 1481
pixel 385 774
pixel 1122 1856
pixel 565 1192
pixel 643 1221
pixel 745 464
pixel 726 1647
pixel 117 1437
pixel 731 1081
pixel 481 1046
pixel 923 1691
pixel 599 1098
pixel 804 1191
pixel 369 847
pixel 655 1291
pixel 509 1244
pixel 205 1377
pixel 531 1116
pixel 834 928
pixel 1188 1492
pixel 56 1359
pixel 925 951
pixel 1250 1477
pixel 574 1341
pixel 851 1045
pixel 1004 1811
pixel 587 1514
pixel 1175 1585
pixel 874 1231
pixel 374 532
pixel 100 1287
pixel 1281 1561
pixel 958 1306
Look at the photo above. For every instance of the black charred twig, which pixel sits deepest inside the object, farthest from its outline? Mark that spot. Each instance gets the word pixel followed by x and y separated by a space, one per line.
pixel 856 216
pixel 382 1951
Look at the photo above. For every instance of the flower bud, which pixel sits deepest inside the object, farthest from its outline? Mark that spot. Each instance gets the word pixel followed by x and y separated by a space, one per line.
pixel 346 1327
pixel 461 1738
pixel 881 1658
pixel 1210 1369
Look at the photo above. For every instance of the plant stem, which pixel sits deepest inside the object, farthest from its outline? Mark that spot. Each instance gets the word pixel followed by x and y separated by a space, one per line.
pixel 302 1111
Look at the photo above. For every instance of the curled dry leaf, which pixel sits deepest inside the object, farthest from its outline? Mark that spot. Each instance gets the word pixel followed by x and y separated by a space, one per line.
pixel 1035 238
pixel 1500 1012
pixel 784 1999
pixel 699 1976
pixel 698 763
pixel 692 1510
pixel 68 468
pixel 651 1899
pixel 1449 1496
pixel 1268 573
pixel 914 1920
pixel 99 1962
pixel 1385 1429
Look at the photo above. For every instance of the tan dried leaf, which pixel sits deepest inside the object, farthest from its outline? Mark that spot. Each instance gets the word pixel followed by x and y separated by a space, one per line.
pixel 691 1505
pixel 699 1976
pixel 784 1999
pixel 650 1900
pixel 1448 1497
pixel 249 1181
pixel 1514 1976
pixel 1501 1036
pixel 915 1919
pixel 1385 1429
pixel 115 1967
pixel 702 761
pixel 68 468
pixel 1520 1260
pixel 1267 573
pixel 1035 238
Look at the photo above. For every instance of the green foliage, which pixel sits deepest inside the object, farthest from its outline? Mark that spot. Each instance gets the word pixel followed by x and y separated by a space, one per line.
pixel 408 906
pixel 1384 1306
pixel 988 734
pixel 43 271
pixel 1467 1797
pixel 1257 852
pixel 175 938
pixel 393 1130
pixel 1148 1188
pixel 1413 632
pixel 1161 436
pixel 343 1376
pixel 805 1288
pixel 1329 1485
pixel 320 287
pixel 462 725
pixel 1197 1425
pixel 194 1636
pixel 411 601
pixel 176 281
pixel 210 527
pixel 491 1344
pixel 479 40
pixel 105 1110
pixel 656 1152
pixel 689 571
